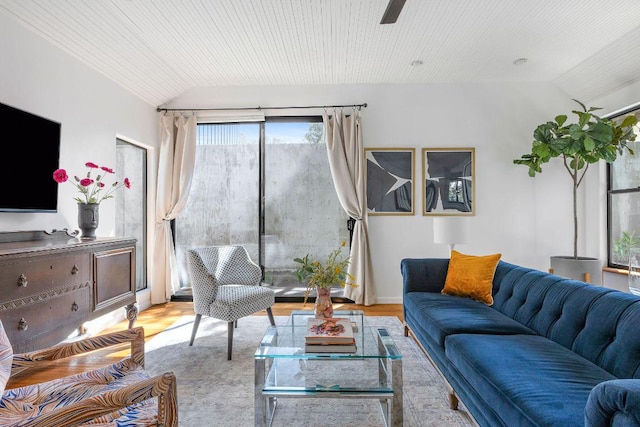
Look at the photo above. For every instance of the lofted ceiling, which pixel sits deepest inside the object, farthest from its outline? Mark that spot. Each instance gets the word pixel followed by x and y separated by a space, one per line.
pixel 158 49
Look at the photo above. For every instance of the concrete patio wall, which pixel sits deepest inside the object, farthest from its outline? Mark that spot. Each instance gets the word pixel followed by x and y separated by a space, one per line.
pixel 303 214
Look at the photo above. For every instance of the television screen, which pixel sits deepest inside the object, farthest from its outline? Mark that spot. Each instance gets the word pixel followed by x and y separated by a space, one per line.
pixel 30 156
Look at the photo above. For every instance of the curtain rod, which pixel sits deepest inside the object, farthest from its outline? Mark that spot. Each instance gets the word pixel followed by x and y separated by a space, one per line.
pixel 364 105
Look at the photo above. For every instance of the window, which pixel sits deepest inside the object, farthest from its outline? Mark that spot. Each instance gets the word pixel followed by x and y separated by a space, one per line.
pixel 623 201
pixel 131 204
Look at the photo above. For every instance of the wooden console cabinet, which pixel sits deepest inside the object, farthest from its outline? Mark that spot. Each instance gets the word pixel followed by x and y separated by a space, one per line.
pixel 51 283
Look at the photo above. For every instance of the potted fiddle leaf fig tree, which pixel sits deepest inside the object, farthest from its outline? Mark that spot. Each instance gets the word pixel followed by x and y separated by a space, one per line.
pixel 590 139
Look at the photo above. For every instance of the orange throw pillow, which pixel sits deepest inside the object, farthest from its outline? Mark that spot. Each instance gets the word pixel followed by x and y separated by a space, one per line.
pixel 471 276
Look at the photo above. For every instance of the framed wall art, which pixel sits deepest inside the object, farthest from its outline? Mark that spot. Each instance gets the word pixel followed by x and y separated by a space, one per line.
pixel 390 176
pixel 448 181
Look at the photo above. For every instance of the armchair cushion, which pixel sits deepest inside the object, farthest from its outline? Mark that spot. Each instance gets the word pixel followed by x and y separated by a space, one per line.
pixel 35 400
pixel 237 301
pixel 120 394
pixel 6 359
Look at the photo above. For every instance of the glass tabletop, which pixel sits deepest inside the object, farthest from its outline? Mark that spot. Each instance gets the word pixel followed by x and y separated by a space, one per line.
pixel 288 341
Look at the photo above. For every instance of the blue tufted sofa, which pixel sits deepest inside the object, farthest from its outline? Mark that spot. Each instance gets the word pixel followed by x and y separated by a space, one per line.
pixel 549 351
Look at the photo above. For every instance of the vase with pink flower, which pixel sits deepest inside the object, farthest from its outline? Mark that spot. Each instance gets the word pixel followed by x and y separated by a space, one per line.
pixel 93 190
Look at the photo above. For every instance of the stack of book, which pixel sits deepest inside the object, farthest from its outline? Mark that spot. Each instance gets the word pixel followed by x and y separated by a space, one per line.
pixel 329 336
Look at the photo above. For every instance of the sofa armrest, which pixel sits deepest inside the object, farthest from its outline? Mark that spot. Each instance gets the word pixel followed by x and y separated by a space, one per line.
pixel 162 386
pixel 135 336
pixel 614 403
pixel 423 274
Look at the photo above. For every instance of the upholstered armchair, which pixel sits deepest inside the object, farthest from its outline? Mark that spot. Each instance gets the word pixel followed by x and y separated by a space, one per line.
pixel 225 284
pixel 115 395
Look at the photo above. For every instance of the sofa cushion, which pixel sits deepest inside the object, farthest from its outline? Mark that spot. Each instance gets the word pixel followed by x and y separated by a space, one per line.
pixel 443 315
pixel 471 276
pixel 527 379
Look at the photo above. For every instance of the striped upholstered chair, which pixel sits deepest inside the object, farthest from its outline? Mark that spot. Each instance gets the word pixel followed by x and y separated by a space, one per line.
pixel 225 284
pixel 120 394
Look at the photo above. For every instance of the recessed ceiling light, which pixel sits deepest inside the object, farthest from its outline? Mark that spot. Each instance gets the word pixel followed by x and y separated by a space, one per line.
pixel 520 61
pixel 416 63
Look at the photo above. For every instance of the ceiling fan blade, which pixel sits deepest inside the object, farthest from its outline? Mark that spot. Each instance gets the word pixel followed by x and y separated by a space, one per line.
pixel 392 12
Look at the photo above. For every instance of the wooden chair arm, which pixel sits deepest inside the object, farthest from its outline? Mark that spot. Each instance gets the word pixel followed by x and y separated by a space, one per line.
pixel 162 386
pixel 135 336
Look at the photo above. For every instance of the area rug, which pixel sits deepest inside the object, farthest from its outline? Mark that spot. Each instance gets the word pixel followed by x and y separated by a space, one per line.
pixel 213 391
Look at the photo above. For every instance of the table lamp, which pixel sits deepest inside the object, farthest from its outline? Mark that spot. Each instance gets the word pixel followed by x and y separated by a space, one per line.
pixel 450 230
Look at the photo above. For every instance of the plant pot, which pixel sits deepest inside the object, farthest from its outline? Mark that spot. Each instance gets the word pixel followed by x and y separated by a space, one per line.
pixel 581 268
pixel 88 217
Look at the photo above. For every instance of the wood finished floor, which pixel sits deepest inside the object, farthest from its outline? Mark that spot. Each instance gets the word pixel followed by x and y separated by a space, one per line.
pixel 156 319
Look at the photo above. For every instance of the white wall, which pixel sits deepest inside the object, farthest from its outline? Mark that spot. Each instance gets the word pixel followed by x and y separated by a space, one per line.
pixel 39 78
pixel 525 219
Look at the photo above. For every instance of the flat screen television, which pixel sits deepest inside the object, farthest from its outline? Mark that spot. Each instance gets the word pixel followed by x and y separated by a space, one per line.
pixel 30 154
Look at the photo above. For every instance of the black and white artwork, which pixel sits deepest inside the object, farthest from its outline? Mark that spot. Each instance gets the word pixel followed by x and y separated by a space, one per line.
pixel 448 181
pixel 390 181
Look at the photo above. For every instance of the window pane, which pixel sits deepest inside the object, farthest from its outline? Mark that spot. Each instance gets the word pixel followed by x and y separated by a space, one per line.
pixel 625 216
pixel 625 171
pixel 131 204
pixel 302 212
pixel 223 204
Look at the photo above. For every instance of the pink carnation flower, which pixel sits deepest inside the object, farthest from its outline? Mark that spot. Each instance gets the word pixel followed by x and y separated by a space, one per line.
pixel 60 176
pixel 90 189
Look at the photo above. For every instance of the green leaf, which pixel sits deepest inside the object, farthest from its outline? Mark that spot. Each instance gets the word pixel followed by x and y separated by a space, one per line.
pixel 561 119
pixel 601 132
pixel 581 104
pixel 579 161
pixel 583 118
pixel 542 134
pixel 540 150
pixel 589 144
pixel 629 121
pixel 575 131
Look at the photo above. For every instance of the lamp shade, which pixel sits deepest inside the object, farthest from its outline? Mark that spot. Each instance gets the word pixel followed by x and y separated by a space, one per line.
pixel 450 230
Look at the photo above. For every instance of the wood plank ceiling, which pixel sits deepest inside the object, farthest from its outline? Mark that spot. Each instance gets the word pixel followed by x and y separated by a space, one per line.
pixel 159 49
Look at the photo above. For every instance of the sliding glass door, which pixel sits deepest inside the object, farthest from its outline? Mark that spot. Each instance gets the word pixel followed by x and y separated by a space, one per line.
pixel 266 186
pixel 223 203
pixel 302 214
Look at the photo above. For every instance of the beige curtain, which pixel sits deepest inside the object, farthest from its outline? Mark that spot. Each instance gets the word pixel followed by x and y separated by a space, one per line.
pixel 175 170
pixel 343 135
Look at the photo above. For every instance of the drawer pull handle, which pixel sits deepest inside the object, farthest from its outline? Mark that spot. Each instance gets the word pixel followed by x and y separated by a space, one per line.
pixel 22 281
pixel 22 324
pixel 75 269
pixel 74 306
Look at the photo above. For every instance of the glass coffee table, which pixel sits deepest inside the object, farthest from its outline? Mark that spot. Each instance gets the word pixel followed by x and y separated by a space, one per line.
pixel 284 370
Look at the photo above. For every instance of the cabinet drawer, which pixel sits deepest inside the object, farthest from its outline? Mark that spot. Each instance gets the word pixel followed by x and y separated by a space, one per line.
pixel 51 319
pixel 31 276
